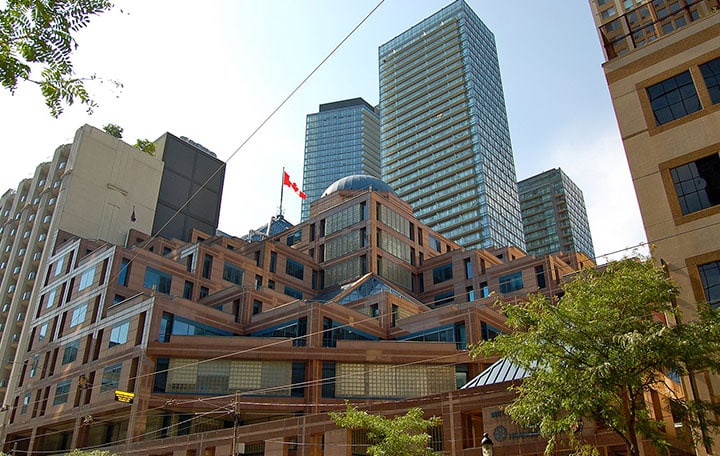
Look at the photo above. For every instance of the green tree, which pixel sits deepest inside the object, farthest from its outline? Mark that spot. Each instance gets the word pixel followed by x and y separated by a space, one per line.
pixel 596 351
pixel 400 436
pixel 114 130
pixel 146 146
pixel 39 35
pixel 77 452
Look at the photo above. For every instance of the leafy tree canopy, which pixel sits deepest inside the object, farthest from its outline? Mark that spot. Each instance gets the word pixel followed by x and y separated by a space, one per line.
pixel 146 146
pixel 400 436
pixel 597 350
pixel 114 130
pixel 39 35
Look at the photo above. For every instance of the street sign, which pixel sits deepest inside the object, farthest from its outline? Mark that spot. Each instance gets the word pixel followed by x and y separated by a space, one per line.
pixel 124 396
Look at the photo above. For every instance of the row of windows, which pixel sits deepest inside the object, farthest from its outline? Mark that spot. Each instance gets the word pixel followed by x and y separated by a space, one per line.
pixel 677 97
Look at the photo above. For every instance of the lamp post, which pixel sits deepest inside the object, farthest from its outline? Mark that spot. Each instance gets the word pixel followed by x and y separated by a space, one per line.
pixel 487 445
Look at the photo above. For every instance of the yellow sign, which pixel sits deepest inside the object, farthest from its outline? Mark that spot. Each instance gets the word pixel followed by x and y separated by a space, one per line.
pixel 123 396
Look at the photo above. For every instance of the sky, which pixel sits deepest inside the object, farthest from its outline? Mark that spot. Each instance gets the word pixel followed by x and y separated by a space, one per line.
pixel 215 71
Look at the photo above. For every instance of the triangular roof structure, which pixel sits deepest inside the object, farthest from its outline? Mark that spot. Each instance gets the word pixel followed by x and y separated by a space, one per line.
pixel 499 372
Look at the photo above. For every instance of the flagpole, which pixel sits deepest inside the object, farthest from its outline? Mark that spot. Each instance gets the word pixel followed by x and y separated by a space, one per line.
pixel 282 185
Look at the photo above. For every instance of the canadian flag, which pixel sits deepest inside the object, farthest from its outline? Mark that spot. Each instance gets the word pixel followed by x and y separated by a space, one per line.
pixel 293 185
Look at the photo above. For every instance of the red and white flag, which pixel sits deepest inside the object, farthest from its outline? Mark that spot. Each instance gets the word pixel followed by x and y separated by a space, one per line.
pixel 293 185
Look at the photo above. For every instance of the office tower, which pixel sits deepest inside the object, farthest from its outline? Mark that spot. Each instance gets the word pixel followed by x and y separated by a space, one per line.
pixel 342 139
pixel 663 72
pixel 357 303
pixel 554 215
pixel 445 137
pixel 190 190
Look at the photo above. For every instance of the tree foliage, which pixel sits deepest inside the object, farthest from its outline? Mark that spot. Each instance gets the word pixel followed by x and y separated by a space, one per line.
pixel 39 35
pixel 146 146
pixel 400 436
pixel 596 351
pixel 114 130
pixel 77 452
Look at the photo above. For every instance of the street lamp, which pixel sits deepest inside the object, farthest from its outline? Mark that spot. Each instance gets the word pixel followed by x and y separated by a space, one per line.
pixel 487 445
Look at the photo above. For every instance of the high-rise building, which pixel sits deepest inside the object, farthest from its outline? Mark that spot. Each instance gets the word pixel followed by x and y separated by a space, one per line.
pixel 554 215
pixel 99 188
pixel 663 72
pixel 342 139
pixel 444 129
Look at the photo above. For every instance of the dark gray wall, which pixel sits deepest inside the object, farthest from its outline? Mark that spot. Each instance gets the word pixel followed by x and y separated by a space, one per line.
pixel 188 168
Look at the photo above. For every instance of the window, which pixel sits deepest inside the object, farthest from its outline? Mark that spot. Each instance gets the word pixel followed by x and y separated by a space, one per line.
pixel 293 292
pixel 540 274
pixel 124 272
pixel 711 74
pixel 78 315
pixel 26 403
pixel 294 238
pixel 111 378
pixel 71 351
pixel 119 333
pixel 468 268
pixel 295 269
pixel 444 298
pixel 34 365
pixel 47 219
pixel 697 184
pixel 511 282
pixel 435 243
pixel 273 261
pixel 59 266
pixel 608 12
pixel 207 266
pixel 673 98
pixel 42 332
pixel 233 273
pixel 16 269
pixel 188 290
pixel 158 280
pixel 257 307
pixel 50 298
pixel 442 273
pixel 710 277
pixel 204 291
pixel 86 279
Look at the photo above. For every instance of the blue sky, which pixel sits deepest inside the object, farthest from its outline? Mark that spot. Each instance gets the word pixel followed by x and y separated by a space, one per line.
pixel 213 71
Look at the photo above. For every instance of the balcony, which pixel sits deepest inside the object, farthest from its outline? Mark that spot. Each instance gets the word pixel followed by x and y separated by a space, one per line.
pixel 650 21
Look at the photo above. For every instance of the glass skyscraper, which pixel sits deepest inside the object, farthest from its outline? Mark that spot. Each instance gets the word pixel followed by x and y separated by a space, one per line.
pixel 341 140
pixel 445 136
pixel 554 215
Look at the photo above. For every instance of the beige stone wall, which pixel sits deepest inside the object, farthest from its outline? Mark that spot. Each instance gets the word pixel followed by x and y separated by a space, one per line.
pixel 106 179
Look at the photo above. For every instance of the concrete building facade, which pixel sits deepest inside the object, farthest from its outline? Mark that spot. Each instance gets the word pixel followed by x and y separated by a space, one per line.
pixel 342 139
pixel 663 72
pixel 554 215
pixel 444 129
